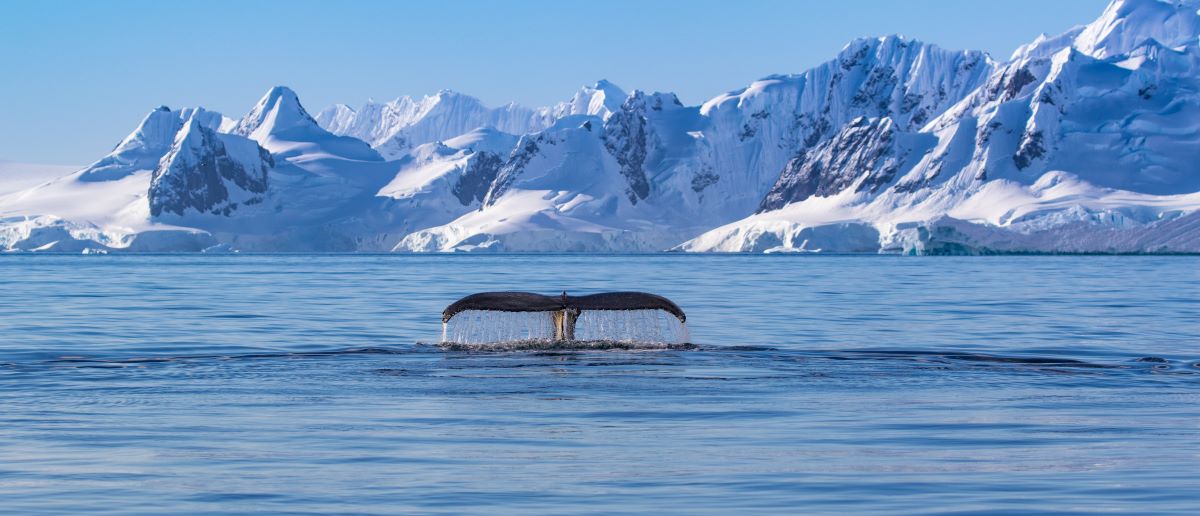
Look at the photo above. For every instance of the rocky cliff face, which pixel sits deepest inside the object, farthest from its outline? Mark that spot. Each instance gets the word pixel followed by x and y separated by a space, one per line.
pixel 756 131
pixel 206 172
pixel 864 156
pixel 629 136
pixel 480 171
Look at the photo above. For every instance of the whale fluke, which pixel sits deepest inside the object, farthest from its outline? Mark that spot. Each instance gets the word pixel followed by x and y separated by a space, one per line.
pixel 530 302
pixel 565 309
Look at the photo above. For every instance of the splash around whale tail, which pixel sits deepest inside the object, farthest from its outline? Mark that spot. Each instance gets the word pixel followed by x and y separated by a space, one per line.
pixel 616 316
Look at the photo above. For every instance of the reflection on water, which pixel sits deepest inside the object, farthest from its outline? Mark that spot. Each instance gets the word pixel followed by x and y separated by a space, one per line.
pixel 868 384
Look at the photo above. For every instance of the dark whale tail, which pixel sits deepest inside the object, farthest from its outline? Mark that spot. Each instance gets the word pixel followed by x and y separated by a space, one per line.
pixel 565 308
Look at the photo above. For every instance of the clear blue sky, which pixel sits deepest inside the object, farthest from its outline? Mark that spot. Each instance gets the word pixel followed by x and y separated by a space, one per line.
pixel 79 75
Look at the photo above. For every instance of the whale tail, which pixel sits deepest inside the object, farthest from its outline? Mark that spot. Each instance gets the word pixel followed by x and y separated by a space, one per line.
pixel 564 312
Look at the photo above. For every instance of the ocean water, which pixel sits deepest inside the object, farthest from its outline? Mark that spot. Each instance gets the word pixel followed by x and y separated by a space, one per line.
pixel 860 384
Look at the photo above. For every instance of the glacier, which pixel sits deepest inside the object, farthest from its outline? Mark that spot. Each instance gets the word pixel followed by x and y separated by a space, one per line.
pixel 1081 142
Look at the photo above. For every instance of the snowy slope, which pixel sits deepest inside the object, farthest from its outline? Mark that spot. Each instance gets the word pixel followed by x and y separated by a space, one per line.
pixel 439 182
pixel 15 177
pixel 1128 24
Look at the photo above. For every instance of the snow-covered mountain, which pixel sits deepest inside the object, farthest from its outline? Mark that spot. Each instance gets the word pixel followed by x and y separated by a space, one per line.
pixel 1081 142
pixel 655 172
pixel 1083 134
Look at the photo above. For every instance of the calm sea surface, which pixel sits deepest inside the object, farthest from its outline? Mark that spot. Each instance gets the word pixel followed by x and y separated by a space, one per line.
pixel 818 384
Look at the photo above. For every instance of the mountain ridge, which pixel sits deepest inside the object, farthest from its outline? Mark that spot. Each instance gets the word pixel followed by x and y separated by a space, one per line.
pixel 1080 142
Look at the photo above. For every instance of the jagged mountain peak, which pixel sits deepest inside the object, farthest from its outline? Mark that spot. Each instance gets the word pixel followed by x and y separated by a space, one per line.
pixel 336 118
pixel 872 41
pixel 854 50
pixel 877 64
pixel 655 101
pixel 1046 45
pixel 449 99
pixel 601 99
pixel 396 127
pixel 611 91
pixel 281 125
pixel 278 110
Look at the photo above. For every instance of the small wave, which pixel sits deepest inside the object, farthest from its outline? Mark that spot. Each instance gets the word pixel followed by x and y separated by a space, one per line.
pixel 979 358
pixel 83 361
pixel 958 359
pixel 746 355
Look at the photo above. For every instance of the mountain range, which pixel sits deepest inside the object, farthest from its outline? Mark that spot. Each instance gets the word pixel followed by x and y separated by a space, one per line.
pixel 1083 142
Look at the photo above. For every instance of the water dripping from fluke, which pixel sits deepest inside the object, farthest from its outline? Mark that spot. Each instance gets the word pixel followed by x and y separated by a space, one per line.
pixel 525 321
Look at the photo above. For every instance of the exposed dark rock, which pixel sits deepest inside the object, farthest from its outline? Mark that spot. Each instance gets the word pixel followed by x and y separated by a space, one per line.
pixel 527 147
pixel 910 102
pixel 703 180
pixel 1017 82
pixel 626 136
pixel 859 153
pixel 854 59
pixel 480 171
pixel 199 172
pixel 1032 147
